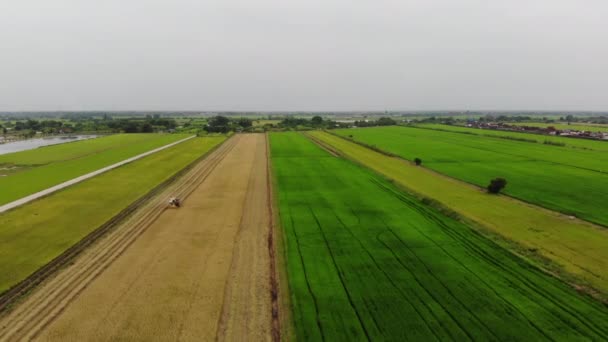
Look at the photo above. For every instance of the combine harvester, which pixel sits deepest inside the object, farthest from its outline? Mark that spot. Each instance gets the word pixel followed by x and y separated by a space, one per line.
pixel 175 202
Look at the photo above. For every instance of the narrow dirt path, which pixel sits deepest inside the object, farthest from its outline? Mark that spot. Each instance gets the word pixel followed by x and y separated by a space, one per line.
pixel 169 274
pixel 247 305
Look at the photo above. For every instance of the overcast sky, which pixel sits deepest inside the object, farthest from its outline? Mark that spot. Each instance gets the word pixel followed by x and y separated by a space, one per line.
pixel 303 55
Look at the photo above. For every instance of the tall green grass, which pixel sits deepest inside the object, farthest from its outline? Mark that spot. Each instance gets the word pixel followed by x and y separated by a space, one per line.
pixel 368 262
pixel 572 181
pixel 41 168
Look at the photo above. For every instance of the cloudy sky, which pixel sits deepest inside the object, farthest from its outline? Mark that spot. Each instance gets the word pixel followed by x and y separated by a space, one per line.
pixel 303 54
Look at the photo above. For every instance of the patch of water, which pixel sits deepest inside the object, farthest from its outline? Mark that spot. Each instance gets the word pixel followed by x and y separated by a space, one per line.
pixel 28 144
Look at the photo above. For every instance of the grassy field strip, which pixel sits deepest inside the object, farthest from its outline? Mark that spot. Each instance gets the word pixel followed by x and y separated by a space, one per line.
pixel 66 151
pixel 27 172
pixel 579 247
pixel 538 138
pixel 366 261
pixel 34 234
pixel 79 179
pixel 571 181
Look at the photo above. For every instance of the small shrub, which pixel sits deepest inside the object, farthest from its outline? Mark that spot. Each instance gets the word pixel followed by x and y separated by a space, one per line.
pixel 496 185
pixel 418 161
pixel 554 143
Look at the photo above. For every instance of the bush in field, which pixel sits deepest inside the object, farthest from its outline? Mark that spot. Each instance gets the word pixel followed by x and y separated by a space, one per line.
pixel 418 161
pixel 496 185
pixel 554 143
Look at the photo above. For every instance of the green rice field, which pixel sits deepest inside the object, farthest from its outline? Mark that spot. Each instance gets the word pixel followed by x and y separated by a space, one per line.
pixel 366 261
pixel 35 233
pixel 572 181
pixel 577 247
pixel 588 144
pixel 34 170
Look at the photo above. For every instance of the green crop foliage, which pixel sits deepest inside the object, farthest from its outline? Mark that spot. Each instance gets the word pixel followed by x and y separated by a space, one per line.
pixel 369 262
pixel 34 170
pixel 36 233
pixel 538 138
pixel 572 181
pixel 578 247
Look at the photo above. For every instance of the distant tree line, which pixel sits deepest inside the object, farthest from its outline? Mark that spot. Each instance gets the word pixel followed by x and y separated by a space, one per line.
pixel 29 126
pixel 106 124
pixel 383 121
pixel 222 124
pixel 147 125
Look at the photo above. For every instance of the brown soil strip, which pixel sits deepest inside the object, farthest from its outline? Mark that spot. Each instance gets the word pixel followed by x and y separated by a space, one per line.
pixel 274 285
pixel 247 311
pixel 168 283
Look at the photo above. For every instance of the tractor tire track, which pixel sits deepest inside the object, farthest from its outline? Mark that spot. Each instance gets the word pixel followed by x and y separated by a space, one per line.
pixel 480 253
pixel 391 281
pixel 341 277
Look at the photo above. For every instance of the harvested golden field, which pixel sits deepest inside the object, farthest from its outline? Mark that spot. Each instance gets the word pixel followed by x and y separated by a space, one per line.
pixel 200 272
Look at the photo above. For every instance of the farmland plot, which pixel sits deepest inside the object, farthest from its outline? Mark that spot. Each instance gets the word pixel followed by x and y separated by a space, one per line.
pixel 368 262
pixel 34 170
pixel 572 181
pixel 532 137
pixel 197 273
pixel 577 247
pixel 34 234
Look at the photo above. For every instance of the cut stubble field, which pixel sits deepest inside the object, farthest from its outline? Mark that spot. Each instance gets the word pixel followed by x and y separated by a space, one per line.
pixel 36 233
pixel 200 272
pixel 366 261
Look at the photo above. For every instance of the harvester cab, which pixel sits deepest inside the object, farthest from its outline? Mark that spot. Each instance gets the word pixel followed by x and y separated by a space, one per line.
pixel 175 202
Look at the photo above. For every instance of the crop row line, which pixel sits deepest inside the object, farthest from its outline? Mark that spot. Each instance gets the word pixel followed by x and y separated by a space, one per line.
pixel 480 253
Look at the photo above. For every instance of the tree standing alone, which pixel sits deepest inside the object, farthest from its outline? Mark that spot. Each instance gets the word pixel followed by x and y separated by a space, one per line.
pixel 496 185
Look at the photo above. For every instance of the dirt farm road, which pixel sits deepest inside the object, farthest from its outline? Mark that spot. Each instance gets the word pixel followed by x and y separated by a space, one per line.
pixel 197 273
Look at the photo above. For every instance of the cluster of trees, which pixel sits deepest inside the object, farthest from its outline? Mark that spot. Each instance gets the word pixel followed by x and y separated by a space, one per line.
pixel 596 120
pixel 222 124
pixel 106 124
pixel 383 121
pixel 147 125
pixel 45 126
pixel 313 123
